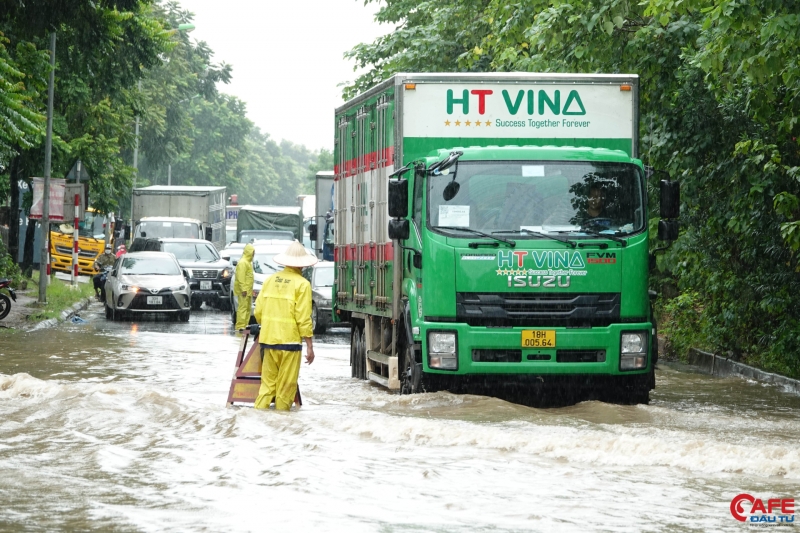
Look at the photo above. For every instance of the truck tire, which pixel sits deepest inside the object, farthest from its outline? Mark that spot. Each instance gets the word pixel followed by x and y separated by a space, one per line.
pixel 358 354
pixel 183 316
pixel 411 377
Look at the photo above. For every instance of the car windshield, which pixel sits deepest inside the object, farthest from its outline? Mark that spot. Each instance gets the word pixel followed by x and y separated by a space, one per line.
pixel 264 264
pixel 167 230
pixel 150 265
pixel 250 235
pixel 527 197
pixel 323 277
pixel 191 251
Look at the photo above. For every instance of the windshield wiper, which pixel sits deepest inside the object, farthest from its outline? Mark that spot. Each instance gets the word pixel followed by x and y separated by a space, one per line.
pixel 476 232
pixel 595 233
pixel 539 234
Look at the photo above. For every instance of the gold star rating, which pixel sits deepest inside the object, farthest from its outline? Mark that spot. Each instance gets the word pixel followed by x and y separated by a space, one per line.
pixel 458 122
pixel 467 123
pixel 446 122
pixel 488 123
pixel 477 123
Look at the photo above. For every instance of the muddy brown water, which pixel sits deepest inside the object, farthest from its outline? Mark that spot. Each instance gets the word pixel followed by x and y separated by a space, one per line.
pixel 123 427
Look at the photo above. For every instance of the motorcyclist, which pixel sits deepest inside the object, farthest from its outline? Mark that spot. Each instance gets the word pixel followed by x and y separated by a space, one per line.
pixel 103 262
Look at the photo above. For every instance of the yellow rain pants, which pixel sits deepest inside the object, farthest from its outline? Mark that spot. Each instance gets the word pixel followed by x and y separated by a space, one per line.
pixel 279 372
pixel 243 311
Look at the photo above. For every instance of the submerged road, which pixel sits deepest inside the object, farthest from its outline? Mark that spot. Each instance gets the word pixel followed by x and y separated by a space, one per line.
pixel 122 426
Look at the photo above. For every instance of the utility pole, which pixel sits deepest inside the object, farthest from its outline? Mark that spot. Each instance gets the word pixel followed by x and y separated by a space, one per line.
pixel 135 157
pixel 44 258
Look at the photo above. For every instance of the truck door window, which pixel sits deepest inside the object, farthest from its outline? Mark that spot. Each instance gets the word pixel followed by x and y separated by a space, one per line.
pixel 417 215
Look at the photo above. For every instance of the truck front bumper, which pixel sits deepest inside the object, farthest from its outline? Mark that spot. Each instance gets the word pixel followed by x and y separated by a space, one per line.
pixel 575 351
pixel 64 263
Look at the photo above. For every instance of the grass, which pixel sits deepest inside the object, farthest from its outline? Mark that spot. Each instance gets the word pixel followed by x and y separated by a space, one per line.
pixel 60 296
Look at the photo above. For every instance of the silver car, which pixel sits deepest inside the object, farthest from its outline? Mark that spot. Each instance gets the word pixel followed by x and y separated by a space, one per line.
pixel 147 282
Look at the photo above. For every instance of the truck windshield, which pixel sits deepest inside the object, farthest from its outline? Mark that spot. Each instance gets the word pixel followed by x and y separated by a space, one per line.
pixel 92 225
pixel 547 197
pixel 154 229
pixel 252 235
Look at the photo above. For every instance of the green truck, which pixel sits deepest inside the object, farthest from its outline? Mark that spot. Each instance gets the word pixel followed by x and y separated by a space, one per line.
pixel 492 233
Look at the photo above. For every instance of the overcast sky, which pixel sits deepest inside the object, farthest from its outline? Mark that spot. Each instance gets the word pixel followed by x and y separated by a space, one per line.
pixel 287 58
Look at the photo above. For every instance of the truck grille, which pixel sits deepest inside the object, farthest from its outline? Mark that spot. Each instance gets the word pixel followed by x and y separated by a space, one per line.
pixel 537 309
pixel 81 253
pixel 205 274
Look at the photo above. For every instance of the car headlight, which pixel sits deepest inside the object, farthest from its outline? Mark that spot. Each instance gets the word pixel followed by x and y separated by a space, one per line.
pixel 226 273
pixel 131 288
pixel 633 351
pixel 442 353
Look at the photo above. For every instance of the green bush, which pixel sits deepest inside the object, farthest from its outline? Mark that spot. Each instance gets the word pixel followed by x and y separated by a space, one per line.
pixel 9 268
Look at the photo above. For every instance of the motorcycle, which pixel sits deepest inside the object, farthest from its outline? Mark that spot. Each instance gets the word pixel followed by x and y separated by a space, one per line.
pixel 5 303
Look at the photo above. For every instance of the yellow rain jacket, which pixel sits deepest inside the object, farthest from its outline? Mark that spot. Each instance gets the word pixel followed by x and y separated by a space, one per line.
pixel 244 283
pixel 283 309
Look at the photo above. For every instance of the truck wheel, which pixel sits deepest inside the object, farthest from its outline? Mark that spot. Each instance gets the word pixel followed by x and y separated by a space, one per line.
pixel 183 316
pixel 411 378
pixel 196 304
pixel 358 355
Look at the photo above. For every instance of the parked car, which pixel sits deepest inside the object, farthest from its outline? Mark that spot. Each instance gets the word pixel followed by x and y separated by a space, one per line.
pixel 147 282
pixel 263 267
pixel 321 278
pixel 209 274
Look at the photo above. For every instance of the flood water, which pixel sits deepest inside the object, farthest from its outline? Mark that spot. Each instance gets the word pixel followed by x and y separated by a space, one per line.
pixel 123 427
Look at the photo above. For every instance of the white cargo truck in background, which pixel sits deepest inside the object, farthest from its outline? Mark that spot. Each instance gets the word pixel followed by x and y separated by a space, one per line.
pixel 180 211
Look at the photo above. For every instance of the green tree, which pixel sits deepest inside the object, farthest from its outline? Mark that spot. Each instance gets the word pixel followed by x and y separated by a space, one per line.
pixel 719 111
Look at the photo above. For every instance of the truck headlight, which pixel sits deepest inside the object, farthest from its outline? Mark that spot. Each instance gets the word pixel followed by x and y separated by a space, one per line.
pixel 633 350
pixel 226 273
pixel 442 350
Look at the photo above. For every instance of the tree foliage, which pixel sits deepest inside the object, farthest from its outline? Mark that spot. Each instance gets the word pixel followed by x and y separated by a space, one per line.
pixel 719 110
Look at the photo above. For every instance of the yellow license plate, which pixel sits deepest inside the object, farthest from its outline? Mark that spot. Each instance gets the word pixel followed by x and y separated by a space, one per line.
pixel 539 338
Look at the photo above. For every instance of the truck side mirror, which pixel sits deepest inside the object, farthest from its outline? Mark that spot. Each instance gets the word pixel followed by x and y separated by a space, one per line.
pixel 667 230
pixel 399 230
pixel 398 198
pixel 209 233
pixel 312 231
pixel 670 199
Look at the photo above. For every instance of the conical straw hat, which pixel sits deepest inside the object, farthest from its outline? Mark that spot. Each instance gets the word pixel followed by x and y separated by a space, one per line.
pixel 295 256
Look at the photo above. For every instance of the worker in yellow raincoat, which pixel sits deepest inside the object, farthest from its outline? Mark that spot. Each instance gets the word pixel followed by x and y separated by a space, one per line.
pixel 243 287
pixel 283 309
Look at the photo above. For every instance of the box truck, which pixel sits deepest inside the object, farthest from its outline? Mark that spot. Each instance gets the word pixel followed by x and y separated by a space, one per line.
pixel 269 222
pixel 492 232
pixel 180 211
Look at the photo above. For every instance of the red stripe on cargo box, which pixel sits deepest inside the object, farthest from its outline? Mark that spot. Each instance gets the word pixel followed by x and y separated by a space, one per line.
pixel 381 158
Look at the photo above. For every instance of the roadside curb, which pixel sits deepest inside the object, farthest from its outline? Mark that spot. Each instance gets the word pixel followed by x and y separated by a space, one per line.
pixel 65 315
pixel 717 366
